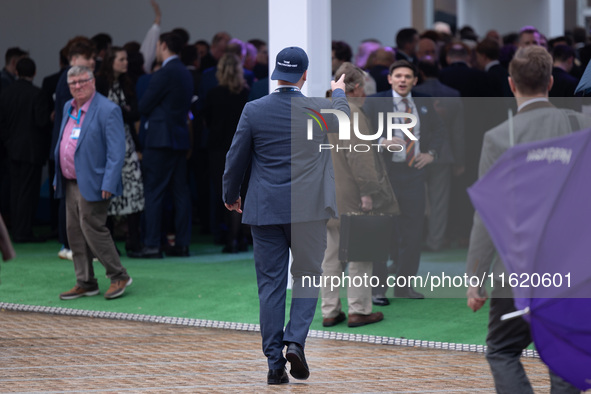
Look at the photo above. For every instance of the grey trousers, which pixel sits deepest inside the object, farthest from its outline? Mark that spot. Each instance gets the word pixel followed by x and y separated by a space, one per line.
pixel 86 224
pixel 438 192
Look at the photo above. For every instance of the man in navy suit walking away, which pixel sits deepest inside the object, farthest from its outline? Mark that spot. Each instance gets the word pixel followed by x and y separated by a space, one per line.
pixel 166 104
pixel 291 196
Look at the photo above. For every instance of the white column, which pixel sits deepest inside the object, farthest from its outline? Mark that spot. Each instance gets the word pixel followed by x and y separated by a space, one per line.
pixel 583 12
pixel 428 13
pixel 306 24
pixel 555 18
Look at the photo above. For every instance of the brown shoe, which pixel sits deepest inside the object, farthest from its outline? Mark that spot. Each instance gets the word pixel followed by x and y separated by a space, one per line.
pixel 333 321
pixel 77 292
pixel 357 320
pixel 117 288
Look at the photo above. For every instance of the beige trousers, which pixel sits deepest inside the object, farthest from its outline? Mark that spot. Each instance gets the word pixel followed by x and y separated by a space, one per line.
pixel 358 297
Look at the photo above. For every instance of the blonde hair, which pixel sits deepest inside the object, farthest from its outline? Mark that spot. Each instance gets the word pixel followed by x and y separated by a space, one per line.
pixel 353 76
pixel 230 74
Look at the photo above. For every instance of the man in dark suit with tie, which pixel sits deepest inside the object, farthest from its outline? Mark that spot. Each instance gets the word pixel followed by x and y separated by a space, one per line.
pixel 488 52
pixel 450 160
pixel 291 195
pixel 166 105
pixel 470 82
pixel 407 41
pixel 564 83
pixel 24 128
pixel 406 170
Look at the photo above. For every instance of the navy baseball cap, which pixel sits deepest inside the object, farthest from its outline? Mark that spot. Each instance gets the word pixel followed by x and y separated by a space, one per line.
pixel 290 64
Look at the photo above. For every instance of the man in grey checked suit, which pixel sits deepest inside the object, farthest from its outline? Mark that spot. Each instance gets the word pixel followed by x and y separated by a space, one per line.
pixel 291 196
pixel 537 119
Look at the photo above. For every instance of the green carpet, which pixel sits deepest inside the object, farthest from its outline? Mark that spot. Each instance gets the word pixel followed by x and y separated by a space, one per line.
pixel 214 286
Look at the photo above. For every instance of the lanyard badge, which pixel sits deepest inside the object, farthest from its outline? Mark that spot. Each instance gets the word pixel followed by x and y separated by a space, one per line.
pixel 76 129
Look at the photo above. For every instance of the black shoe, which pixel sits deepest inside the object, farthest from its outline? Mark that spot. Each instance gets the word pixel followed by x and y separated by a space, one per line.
pixel 277 376
pixel 230 249
pixel 299 367
pixel 178 251
pixel 408 292
pixel 145 253
pixel 380 300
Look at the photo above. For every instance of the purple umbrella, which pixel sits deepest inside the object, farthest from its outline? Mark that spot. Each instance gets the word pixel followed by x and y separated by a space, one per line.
pixel 536 204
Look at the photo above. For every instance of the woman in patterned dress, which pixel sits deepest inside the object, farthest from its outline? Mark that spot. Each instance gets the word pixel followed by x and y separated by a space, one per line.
pixel 113 82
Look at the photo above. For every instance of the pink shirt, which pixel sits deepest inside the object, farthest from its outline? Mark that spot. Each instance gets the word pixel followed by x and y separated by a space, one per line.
pixel 70 138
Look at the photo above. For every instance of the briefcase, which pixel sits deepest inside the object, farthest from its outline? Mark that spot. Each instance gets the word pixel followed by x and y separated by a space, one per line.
pixel 365 237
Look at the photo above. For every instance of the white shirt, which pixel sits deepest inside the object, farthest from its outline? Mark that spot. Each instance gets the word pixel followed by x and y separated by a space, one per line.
pixel 490 64
pixel 400 107
pixel 531 101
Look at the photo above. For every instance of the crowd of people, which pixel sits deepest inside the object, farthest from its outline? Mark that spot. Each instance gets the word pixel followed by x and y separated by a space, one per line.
pixel 447 66
pixel 144 134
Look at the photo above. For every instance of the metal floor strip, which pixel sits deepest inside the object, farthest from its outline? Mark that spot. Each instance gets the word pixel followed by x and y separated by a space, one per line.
pixel 339 336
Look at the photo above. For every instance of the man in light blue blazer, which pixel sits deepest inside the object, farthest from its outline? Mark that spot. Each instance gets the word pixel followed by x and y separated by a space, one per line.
pixel 88 161
pixel 291 195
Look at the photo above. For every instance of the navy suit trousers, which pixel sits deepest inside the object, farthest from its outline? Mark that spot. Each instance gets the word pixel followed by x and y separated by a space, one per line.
pixel 163 168
pixel 409 187
pixel 271 254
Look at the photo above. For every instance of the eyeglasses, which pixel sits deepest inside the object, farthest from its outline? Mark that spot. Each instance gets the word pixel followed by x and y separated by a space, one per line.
pixel 81 82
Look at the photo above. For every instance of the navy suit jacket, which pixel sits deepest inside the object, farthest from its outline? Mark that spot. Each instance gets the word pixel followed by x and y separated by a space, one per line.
pixel 452 150
pixel 291 180
pixel 100 151
pixel 62 95
pixel 470 82
pixel 432 128
pixel 165 105
pixel 564 84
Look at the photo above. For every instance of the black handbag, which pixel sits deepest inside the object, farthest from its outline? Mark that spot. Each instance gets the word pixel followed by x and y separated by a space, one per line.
pixel 365 237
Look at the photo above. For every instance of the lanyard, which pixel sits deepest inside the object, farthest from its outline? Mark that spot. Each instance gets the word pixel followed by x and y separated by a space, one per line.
pixel 282 90
pixel 77 119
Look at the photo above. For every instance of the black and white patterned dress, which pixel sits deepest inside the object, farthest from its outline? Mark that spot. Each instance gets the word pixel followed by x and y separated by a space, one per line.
pixel 132 199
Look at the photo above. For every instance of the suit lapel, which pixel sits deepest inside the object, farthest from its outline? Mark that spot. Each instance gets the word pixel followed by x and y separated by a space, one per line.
pixel 88 119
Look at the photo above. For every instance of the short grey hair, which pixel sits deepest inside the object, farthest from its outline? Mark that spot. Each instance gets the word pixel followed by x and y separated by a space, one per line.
pixel 79 70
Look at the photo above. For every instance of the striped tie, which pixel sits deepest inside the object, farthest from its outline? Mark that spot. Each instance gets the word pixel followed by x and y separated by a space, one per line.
pixel 410 144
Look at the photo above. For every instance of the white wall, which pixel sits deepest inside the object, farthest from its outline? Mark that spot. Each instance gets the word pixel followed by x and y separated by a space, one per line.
pixel 310 31
pixel 510 16
pixel 355 20
pixel 44 26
